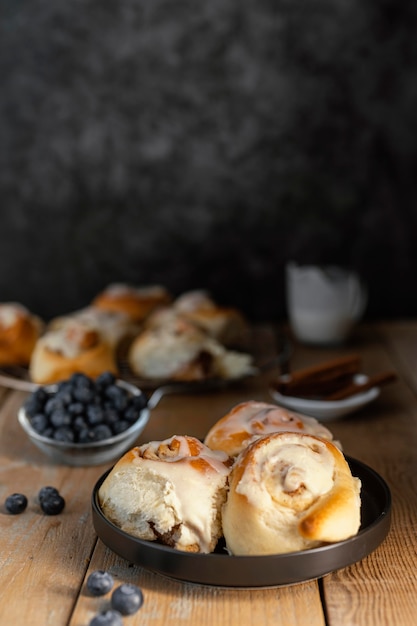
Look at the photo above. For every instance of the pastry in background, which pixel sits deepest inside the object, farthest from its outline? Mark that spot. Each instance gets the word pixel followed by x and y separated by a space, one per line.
pixel 290 492
pixel 114 326
pixel 225 324
pixel 19 332
pixel 180 351
pixel 251 420
pixel 73 347
pixel 169 491
pixel 136 302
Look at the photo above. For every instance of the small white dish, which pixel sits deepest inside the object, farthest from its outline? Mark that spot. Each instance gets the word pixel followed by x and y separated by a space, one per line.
pixel 328 409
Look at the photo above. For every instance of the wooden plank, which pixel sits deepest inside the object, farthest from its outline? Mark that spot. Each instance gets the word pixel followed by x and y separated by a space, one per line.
pixel 173 602
pixel 381 589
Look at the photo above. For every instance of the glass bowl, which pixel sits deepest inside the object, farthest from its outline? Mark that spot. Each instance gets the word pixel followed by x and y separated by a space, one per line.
pixel 93 453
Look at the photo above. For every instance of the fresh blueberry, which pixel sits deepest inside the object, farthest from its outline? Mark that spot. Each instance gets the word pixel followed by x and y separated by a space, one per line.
pixel 60 417
pixel 139 401
pixel 127 599
pixel 79 423
pixel 75 408
pixel 16 503
pixel 118 396
pixel 131 414
pixel 120 426
pixel 46 492
pixel 105 379
pixel 95 414
pixel 52 404
pixel 65 434
pixel 39 422
pixel 101 432
pixel 100 582
pixel 84 394
pixel 85 435
pixel 111 416
pixel 52 504
pixel 108 618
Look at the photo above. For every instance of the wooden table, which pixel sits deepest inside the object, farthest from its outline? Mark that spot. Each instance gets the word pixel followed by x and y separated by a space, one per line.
pixel 44 561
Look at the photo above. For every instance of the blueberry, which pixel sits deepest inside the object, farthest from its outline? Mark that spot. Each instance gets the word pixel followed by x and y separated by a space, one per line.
pixel 118 396
pixel 95 414
pixel 16 503
pixel 127 599
pixel 65 434
pixel 39 422
pixel 79 379
pixel 111 416
pixel 86 435
pixel 101 432
pixel 52 504
pixel 52 404
pixel 131 414
pixel 84 394
pixel 79 423
pixel 75 408
pixel 139 401
pixel 47 491
pixel 105 379
pixel 60 417
pixel 120 426
pixel 99 583
pixel 108 618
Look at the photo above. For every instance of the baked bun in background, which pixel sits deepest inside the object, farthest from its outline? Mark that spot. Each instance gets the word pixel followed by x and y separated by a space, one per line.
pixel 290 492
pixel 225 324
pixel 74 347
pixel 19 332
pixel 136 302
pixel 250 420
pixel 179 351
pixel 114 326
pixel 169 491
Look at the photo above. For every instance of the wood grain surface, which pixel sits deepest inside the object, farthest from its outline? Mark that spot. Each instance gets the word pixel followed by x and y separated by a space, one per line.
pixel 44 561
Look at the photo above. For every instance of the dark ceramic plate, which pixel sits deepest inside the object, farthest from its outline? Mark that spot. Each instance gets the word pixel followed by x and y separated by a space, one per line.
pixel 221 570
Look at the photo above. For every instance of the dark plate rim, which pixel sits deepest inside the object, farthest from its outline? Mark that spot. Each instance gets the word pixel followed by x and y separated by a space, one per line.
pixel 223 570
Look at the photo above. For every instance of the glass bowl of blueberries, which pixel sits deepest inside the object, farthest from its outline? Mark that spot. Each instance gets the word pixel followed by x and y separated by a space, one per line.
pixel 84 421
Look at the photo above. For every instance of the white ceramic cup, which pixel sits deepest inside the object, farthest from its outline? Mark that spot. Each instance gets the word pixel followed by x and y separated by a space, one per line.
pixel 323 303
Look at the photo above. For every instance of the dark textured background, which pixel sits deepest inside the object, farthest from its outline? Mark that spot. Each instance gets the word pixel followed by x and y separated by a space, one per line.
pixel 204 143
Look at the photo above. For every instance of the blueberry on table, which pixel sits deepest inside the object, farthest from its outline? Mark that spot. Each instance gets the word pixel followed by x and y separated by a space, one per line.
pixel 46 492
pixel 99 583
pixel 16 503
pixel 108 618
pixel 127 599
pixel 52 504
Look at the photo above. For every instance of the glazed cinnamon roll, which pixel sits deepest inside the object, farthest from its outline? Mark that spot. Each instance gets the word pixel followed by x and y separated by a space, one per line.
pixel 169 491
pixel 136 302
pixel 250 420
pixel 74 347
pixel 19 332
pixel 290 492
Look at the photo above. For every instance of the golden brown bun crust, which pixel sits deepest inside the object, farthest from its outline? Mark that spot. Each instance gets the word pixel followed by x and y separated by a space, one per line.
pixel 19 332
pixel 137 303
pixel 73 348
pixel 252 419
pixel 290 492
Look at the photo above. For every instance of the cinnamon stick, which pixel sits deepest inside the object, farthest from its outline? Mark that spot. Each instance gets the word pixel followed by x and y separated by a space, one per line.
pixel 322 378
pixel 374 381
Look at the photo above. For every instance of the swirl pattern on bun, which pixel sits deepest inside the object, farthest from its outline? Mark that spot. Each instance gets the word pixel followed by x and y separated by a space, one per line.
pixel 290 492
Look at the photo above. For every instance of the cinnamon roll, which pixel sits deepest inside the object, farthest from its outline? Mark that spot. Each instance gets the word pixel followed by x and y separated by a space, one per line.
pixel 19 331
pixel 74 347
pixel 169 491
pixel 250 420
pixel 136 302
pixel 290 492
